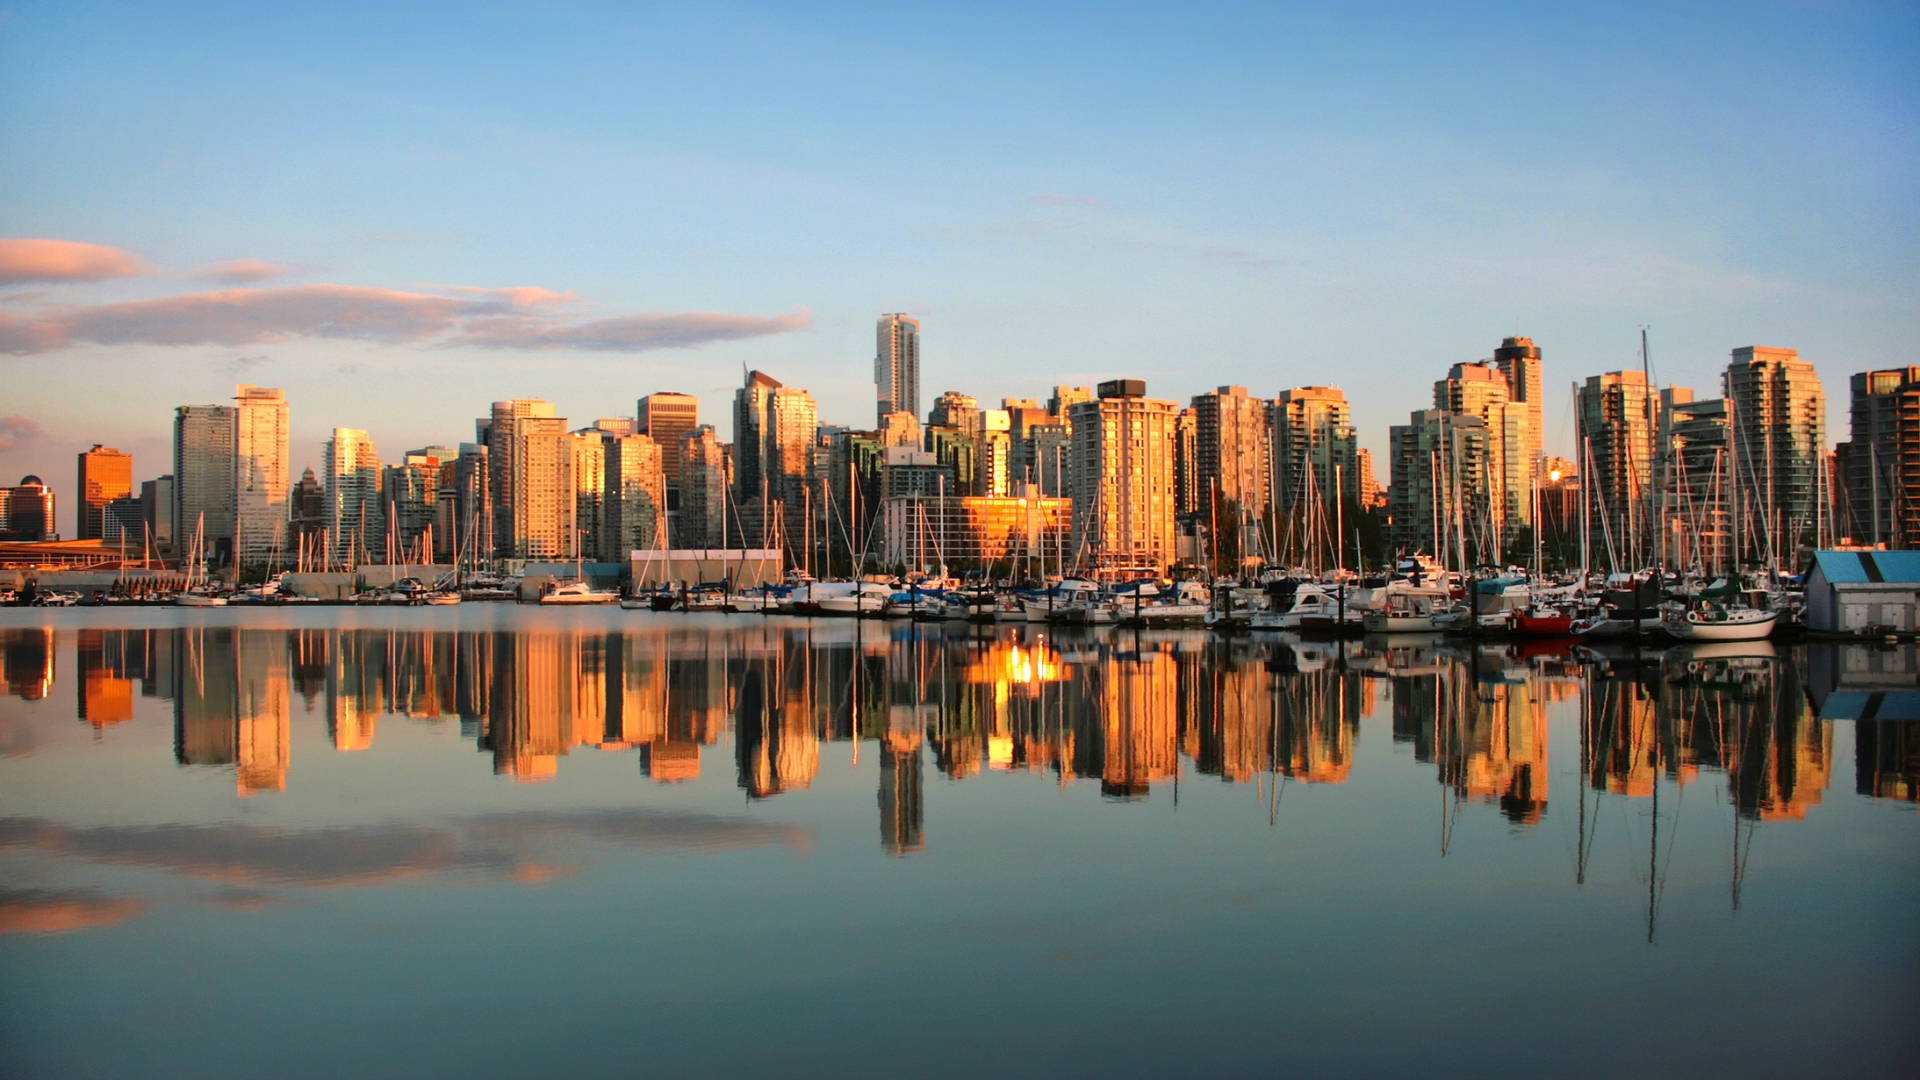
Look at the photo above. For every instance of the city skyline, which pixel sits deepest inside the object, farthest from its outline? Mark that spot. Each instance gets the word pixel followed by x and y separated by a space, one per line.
pixel 769 237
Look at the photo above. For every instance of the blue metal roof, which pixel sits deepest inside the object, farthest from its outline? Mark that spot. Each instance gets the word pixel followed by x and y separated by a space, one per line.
pixel 1861 567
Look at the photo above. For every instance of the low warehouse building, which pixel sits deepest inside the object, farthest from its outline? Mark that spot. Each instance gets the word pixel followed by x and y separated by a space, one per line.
pixel 1863 592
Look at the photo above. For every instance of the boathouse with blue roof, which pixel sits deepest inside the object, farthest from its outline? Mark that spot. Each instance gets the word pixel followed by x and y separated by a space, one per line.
pixel 1864 592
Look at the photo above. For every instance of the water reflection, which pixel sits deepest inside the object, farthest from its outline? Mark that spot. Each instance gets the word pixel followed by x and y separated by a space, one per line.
pixel 1131 712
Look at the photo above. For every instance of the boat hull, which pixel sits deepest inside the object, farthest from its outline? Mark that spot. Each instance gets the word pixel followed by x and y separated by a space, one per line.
pixel 1733 629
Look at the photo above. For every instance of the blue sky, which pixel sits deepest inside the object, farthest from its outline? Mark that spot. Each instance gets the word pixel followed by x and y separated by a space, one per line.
pixel 1196 195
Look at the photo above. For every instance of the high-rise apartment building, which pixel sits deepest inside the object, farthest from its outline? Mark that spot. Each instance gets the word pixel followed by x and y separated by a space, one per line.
pixel 1778 410
pixel 1234 448
pixel 106 474
pixel 541 510
pixel 589 493
pixel 1616 433
pixel 472 503
pixel 1481 389
pixel 1313 439
pixel 1186 462
pixel 26 511
pixel 156 504
pixel 1880 464
pixel 203 473
pixel 896 365
pixel 410 496
pixel 496 432
pixel 1439 487
pixel 666 418
pixel 705 479
pixel 634 505
pixel 356 528
pixel 260 469
pixel 1123 494
pixel 1691 495
pixel 1518 358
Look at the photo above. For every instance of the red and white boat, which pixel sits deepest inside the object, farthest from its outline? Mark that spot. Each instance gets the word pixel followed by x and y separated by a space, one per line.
pixel 1541 621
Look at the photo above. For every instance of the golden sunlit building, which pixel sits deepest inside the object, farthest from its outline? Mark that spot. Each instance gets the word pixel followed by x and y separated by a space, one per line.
pixel 263 703
pixel 106 691
pixel 1139 710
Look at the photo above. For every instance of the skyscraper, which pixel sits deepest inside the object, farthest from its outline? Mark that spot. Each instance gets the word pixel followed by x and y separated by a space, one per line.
pixel 1779 414
pixel 106 474
pixel 1233 448
pixel 665 418
pixel 1481 389
pixel 1519 360
pixel 356 528
pixel 1440 488
pixel 26 511
pixel 496 432
pixel 1615 429
pixel 1312 439
pixel 540 476
pixel 1123 496
pixel 1880 464
pixel 589 492
pixel 203 474
pixel 260 473
pixel 705 476
pixel 896 365
pixel 634 508
pixel 751 423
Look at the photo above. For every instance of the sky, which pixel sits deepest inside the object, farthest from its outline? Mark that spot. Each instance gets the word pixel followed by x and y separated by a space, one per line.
pixel 400 213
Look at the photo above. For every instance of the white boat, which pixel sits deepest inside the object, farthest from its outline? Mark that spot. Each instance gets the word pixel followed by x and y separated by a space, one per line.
pixel 579 592
pixel 442 598
pixel 57 598
pixel 201 597
pixel 868 599
pixel 1717 623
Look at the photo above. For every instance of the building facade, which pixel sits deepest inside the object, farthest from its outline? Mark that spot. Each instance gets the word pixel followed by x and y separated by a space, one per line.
pixel 356 529
pixel 1233 449
pixel 896 366
pixel 706 478
pixel 1778 412
pixel 203 472
pixel 1879 465
pixel 1615 428
pixel 105 474
pixel 1123 483
pixel 260 480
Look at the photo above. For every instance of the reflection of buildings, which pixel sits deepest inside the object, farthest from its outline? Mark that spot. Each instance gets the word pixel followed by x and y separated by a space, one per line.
pixel 203 708
pixel 1887 759
pixel 902 813
pixel 1749 717
pixel 26 661
pixel 106 675
pixel 775 744
pixel 1495 748
pixel 262 711
pixel 1137 703
pixel 355 688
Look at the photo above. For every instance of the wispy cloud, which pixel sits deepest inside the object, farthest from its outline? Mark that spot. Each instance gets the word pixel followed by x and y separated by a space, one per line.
pixel 514 318
pixel 63 260
pixel 1064 200
pixel 242 272
pixel 18 431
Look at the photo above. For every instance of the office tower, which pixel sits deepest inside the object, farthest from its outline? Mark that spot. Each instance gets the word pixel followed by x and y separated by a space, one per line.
pixel 899 429
pixel 356 529
pixel 1692 493
pixel 156 504
pixel 634 506
pixel 1040 457
pixel 911 473
pixel 855 475
pixel 1880 464
pixel 203 473
pixel 411 495
pixel 1312 439
pixel 788 461
pixel 666 417
pixel 498 432
pixel 1615 429
pixel 472 504
pixel 1439 488
pixel 308 509
pixel 1186 462
pixel 1519 360
pixel 26 511
pixel 1066 397
pixel 1123 497
pixel 259 474
pixel 896 365
pixel 1234 454
pixel 589 493
pixel 540 471
pixel 752 422
pixel 994 457
pixel 1779 415
pixel 705 478
pixel 106 474
pixel 124 522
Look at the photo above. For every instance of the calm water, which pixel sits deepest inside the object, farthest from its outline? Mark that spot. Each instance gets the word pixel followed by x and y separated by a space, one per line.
pixel 505 841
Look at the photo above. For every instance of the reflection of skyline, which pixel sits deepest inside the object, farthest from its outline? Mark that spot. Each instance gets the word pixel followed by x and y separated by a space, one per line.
pixel 1127 710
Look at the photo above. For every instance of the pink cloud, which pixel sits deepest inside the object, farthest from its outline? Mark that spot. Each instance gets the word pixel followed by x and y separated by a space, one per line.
pixel 242 272
pixel 484 318
pixel 63 260
pixel 18 431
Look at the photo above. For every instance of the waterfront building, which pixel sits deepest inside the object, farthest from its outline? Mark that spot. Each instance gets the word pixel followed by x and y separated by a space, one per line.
pixel 589 494
pixel 356 531
pixel 1440 498
pixel 1481 389
pixel 156 505
pixel 1368 483
pixel 957 451
pixel 1234 448
pixel 505 433
pixel 1186 463
pixel 634 503
pixel 995 454
pixel 912 473
pixel 1879 465
pixel 1778 412
pixel 105 474
pixel 307 513
pixel 410 493
pixel 1316 453
pixel 752 423
pixel 124 521
pixel 996 534
pixel 472 503
pixel 1519 360
pixel 260 480
pixel 1616 440
pixel 956 410
pixel 1694 486
pixel 666 417
pixel 896 366
pixel 1039 456
pixel 705 478
pixel 899 429
pixel 1123 494
pixel 203 473
pixel 26 511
